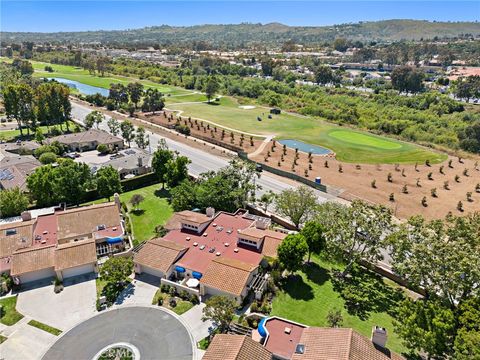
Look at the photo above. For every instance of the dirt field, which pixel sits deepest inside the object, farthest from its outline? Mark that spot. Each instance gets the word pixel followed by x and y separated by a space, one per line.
pixel 207 131
pixel 356 180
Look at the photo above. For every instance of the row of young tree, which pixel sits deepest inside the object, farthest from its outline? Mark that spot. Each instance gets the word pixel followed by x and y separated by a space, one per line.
pixel 438 258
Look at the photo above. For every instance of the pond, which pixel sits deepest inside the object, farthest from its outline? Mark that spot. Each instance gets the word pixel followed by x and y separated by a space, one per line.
pixel 301 146
pixel 82 88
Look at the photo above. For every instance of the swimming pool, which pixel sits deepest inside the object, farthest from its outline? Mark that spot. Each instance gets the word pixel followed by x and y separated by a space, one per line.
pixel 82 88
pixel 301 146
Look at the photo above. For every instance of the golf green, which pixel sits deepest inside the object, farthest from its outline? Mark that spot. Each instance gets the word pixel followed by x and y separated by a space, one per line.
pixel 364 139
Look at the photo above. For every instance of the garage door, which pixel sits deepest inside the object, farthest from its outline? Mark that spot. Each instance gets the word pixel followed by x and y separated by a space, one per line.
pixel 37 275
pixel 151 271
pixel 77 270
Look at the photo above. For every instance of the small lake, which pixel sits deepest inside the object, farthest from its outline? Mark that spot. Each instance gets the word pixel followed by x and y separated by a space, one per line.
pixel 301 146
pixel 82 88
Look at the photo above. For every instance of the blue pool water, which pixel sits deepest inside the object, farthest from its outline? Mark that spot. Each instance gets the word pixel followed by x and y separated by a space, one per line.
pixel 82 88
pixel 301 146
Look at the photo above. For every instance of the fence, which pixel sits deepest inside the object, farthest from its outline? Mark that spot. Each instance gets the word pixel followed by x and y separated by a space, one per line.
pixel 286 174
pixel 180 287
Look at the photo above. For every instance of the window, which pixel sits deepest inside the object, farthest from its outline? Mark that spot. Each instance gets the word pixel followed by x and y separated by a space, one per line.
pixel 10 232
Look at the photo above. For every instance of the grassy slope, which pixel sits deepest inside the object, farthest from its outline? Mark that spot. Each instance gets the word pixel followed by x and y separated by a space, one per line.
pixel 10 315
pixel 349 145
pixel 309 301
pixel 154 210
pixel 81 75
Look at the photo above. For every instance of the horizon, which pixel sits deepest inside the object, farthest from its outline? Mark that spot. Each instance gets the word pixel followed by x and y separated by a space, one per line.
pixel 75 16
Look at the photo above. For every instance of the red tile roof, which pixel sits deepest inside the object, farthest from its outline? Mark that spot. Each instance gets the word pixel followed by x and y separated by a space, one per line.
pixel 279 342
pixel 235 347
pixel 223 229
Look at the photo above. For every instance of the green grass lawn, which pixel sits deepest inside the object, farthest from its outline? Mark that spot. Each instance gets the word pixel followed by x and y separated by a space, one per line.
pixel 9 314
pixel 45 327
pixel 308 296
pixel 349 145
pixel 182 307
pixel 10 135
pixel 154 210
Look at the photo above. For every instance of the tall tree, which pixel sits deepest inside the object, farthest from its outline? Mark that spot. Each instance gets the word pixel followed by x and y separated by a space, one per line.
pixel 94 118
pixel 135 90
pixel 298 205
pixel 153 101
pixel 313 232
pixel 211 87
pixel 177 170
pixel 118 93
pixel 355 232
pixel 114 126
pixel 408 79
pixel 160 160
pixel 12 202
pixel 19 105
pixel 440 256
pixel 292 251
pixel 184 196
pixel 141 138
pixel 108 182
pixel 128 131
pixel 323 75
pixel 220 310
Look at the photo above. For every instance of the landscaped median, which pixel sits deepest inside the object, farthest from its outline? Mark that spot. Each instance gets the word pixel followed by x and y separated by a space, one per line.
pixel 45 327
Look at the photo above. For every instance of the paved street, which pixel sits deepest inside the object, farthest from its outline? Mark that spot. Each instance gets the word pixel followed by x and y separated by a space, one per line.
pixel 156 333
pixel 203 161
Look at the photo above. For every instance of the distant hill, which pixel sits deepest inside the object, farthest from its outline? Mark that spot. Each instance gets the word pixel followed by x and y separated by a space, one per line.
pixel 267 34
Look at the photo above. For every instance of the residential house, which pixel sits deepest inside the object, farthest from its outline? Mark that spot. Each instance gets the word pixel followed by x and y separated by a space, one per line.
pixel 223 251
pixel 58 242
pixel 281 339
pixel 87 140
pixel 14 170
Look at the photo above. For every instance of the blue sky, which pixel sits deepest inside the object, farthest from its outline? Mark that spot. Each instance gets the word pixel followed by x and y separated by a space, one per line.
pixel 46 16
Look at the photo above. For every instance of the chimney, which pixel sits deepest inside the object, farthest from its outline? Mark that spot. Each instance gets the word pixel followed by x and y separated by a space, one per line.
pixel 379 336
pixel 26 215
pixel 140 162
pixel 210 211
pixel 116 198
pixel 261 224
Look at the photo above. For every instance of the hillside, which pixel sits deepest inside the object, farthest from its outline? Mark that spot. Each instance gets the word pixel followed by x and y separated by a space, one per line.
pixel 268 34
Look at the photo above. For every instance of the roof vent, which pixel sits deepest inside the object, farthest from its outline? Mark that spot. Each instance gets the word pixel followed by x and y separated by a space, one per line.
pixel 114 228
pixel 195 244
pixel 45 232
pixel 205 235
pixel 218 253
pixel 101 227
pixel 187 238
pixel 229 231
pixel 202 247
pixel 287 330
pixel 235 250
pixel 300 349
pixel 226 244
pixel 214 224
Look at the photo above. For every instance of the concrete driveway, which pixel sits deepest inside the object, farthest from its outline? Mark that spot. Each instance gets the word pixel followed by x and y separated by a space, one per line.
pixel 25 342
pixel 74 304
pixel 155 332
pixel 140 291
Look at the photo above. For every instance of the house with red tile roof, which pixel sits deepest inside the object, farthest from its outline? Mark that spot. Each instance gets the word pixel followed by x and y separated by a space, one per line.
pixel 283 339
pixel 59 242
pixel 223 251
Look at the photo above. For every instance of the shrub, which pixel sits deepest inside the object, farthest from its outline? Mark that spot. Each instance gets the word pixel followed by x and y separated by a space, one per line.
pixel 184 295
pixel 424 201
pixel 48 158
pixel 182 129
pixel 102 149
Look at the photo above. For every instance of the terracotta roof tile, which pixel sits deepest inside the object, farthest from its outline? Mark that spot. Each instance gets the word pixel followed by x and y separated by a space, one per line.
pixel 339 344
pixel 235 347
pixel 159 254
pixel 227 275
pixel 22 238
pixel 88 136
pixel 194 217
pixel 75 254
pixel 32 259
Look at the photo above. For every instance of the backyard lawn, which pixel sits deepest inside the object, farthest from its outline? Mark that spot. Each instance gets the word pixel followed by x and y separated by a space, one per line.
pixel 349 145
pixel 308 296
pixel 153 211
pixel 9 315
pixel 9 135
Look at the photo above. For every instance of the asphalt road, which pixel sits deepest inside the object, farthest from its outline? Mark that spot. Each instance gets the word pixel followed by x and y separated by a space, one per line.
pixel 203 161
pixel 156 334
